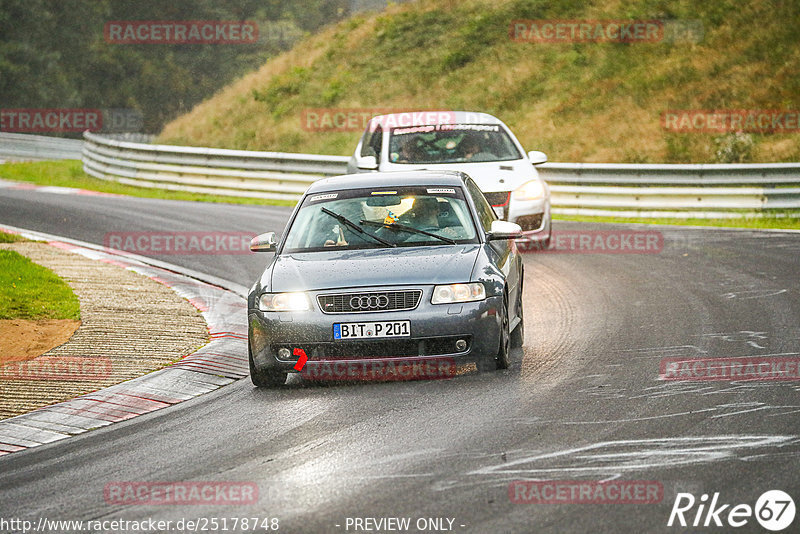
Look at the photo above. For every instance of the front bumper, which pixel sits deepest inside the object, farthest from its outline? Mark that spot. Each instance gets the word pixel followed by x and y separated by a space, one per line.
pixel 535 228
pixel 533 216
pixel 434 332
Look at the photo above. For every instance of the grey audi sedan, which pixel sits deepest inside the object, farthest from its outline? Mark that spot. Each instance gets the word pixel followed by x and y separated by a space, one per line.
pixel 400 274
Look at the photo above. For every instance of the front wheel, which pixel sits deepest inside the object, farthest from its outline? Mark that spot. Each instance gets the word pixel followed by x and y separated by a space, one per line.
pixel 518 335
pixel 503 351
pixel 501 360
pixel 265 379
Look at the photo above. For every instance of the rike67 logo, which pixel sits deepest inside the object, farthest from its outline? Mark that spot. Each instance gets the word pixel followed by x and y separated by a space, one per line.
pixel 774 511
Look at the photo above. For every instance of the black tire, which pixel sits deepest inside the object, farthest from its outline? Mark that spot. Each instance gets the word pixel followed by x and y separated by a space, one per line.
pixel 501 359
pixel 265 379
pixel 518 335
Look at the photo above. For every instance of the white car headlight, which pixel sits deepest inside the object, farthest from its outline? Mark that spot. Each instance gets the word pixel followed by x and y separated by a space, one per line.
pixel 283 302
pixel 532 190
pixel 458 293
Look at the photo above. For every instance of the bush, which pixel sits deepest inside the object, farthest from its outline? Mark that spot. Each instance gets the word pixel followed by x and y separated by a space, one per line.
pixel 734 148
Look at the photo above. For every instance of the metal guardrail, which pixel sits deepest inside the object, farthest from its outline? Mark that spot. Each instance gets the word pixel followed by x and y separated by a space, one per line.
pixel 24 147
pixel 635 190
pixel 272 175
pixel 673 190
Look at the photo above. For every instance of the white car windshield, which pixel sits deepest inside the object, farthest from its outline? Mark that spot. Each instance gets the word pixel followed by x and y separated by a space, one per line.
pixel 368 218
pixel 451 143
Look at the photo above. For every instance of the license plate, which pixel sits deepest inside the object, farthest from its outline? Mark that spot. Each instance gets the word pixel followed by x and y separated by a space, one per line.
pixel 376 329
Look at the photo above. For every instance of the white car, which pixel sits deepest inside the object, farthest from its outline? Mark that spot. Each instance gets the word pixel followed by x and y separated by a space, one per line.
pixel 475 143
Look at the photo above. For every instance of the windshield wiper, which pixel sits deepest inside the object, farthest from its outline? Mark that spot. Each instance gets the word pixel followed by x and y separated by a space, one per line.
pixel 410 229
pixel 347 222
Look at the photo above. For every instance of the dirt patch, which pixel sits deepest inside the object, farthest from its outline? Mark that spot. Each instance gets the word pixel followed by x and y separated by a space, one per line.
pixel 23 339
pixel 130 325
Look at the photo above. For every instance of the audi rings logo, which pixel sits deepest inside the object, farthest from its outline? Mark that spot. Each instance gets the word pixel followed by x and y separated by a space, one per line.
pixel 369 302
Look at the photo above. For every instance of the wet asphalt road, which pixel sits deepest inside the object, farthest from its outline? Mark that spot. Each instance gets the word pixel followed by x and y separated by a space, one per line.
pixel 581 401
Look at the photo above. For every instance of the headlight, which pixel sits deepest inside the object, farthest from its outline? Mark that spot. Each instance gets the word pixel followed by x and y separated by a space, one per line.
pixel 458 293
pixel 532 190
pixel 283 302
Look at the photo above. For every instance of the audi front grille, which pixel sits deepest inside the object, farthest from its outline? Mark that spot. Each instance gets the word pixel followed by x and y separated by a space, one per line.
pixel 373 301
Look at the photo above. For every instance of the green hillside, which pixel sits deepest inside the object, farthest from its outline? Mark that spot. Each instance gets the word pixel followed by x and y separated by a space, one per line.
pixel 592 101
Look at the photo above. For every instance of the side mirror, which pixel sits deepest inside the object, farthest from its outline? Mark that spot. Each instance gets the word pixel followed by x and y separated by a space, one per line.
pixel 263 243
pixel 504 230
pixel 367 163
pixel 537 157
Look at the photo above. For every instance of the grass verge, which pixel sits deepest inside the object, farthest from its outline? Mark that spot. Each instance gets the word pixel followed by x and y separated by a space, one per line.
pixel 30 291
pixel 69 173
pixel 780 223
pixel 6 237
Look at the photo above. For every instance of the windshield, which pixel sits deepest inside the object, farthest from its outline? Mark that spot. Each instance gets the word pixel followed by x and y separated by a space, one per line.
pixel 451 143
pixel 370 218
